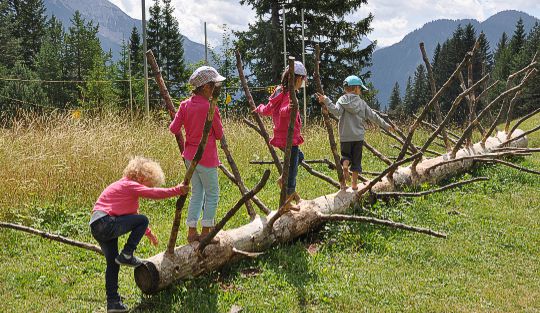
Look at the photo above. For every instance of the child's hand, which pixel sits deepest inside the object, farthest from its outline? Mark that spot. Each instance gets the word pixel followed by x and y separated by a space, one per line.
pixel 153 239
pixel 184 189
pixel 320 97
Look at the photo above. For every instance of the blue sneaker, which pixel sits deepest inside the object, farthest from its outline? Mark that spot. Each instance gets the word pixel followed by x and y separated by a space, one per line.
pixel 131 261
pixel 117 306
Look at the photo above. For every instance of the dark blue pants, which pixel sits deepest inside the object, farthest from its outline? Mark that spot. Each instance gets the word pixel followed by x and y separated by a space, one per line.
pixel 106 231
pixel 296 158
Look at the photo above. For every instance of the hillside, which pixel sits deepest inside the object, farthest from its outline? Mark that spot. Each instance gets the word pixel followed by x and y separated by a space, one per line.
pixel 399 61
pixel 114 24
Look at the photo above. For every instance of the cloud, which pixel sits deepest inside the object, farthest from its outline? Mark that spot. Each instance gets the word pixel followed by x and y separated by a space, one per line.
pixel 392 19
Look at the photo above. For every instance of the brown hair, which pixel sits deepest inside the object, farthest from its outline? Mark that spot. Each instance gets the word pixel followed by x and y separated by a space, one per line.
pixel 285 79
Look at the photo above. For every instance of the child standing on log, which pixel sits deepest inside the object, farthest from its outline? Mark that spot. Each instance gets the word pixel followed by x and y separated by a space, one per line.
pixel 192 115
pixel 352 112
pixel 116 213
pixel 279 107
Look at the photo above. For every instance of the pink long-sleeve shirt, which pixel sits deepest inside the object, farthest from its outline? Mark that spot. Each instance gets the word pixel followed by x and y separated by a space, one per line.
pixel 278 108
pixel 122 197
pixel 192 115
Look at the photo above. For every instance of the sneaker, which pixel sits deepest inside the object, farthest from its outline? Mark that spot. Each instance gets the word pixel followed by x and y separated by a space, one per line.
pixel 132 261
pixel 116 307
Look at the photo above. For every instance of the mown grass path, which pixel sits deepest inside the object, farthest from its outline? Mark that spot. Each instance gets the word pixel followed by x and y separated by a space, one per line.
pixel 52 173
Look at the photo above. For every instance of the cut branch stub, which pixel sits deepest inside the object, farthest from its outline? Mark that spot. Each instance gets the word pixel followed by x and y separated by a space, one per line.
pixel 327 123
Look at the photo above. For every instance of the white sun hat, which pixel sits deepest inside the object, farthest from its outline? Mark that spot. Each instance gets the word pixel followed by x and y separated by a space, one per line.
pixel 299 68
pixel 204 75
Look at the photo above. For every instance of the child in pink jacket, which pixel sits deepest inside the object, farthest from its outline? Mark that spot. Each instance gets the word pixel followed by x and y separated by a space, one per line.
pixel 279 107
pixel 191 115
pixel 116 213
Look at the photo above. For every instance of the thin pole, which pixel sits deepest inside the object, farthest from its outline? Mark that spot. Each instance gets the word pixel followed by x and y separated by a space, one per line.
pixel 284 39
pixel 130 88
pixel 205 45
pixel 304 62
pixel 145 48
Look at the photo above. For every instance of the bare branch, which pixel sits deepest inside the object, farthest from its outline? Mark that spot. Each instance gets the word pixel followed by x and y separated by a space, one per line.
pixel 510 164
pixel 317 174
pixel 428 192
pixel 520 136
pixel 376 153
pixel 372 220
pixel 521 120
pixel 219 226
pixel 286 207
pixel 54 237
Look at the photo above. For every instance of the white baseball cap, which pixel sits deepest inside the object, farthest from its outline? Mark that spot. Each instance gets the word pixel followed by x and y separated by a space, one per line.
pixel 299 68
pixel 204 75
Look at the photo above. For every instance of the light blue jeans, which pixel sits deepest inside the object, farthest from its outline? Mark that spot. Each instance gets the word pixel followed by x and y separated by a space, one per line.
pixel 204 190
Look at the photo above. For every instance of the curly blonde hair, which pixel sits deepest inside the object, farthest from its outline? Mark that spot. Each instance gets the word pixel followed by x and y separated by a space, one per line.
pixel 141 169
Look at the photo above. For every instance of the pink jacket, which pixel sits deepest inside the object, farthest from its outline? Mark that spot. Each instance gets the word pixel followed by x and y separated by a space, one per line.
pixel 192 115
pixel 278 108
pixel 122 197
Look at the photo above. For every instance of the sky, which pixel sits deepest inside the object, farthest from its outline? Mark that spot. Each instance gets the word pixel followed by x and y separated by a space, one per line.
pixel 393 19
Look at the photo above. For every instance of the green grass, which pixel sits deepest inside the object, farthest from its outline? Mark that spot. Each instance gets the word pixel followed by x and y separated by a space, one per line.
pixel 53 170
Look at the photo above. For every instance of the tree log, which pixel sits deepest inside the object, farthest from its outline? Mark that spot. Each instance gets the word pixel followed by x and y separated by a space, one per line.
pixel 163 269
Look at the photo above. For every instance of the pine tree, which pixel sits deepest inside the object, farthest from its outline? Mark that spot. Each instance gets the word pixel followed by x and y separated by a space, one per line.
pixel 518 39
pixel 82 50
pixel 408 98
pixel 420 91
pixel 10 44
pixel 502 59
pixel 20 95
pixel 530 98
pixel 136 53
pixel 99 91
pixel 395 106
pixel 155 29
pixel 30 28
pixel 325 24
pixel 50 62
pixel 172 51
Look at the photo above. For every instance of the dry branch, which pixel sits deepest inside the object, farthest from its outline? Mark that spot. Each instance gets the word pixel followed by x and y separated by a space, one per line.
pixel 372 220
pixel 320 175
pixel 521 120
pixel 54 237
pixel 428 192
pixel 378 154
pixel 219 226
pixel 255 200
pixel 256 117
pixel 327 123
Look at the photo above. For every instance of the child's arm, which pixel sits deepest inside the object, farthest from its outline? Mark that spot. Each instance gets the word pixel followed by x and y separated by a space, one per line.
pixel 217 125
pixel 176 124
pixel 336 110
pixel 268 109
pixel 158 193
pixel 375 118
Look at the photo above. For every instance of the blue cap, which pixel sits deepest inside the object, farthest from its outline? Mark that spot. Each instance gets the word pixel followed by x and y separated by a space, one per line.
pixel 354 80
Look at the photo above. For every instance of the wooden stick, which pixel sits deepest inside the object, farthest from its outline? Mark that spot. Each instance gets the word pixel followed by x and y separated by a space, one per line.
pixel 286 207
pixel 520 136
pixel 486 91
pixel 219 226
pixel 438 114
pixel 187 178
pixel 531 74
pixel 54 237
pixel 372 220
pixel 317 161
pixel 376 153
pixel 290 132
pixel 521 120
pixel 510 164
pixel 165 95
pixel 329 127
pixel 433 127
pixel 428 192
pixel 237 176
pixel 317 174
pixel 255 200
pixel 471 100
pixel 254 114
pixel 487 156
pixel 510 109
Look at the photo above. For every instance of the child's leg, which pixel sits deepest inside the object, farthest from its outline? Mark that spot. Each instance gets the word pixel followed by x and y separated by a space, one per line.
pixel 346 156
pixel 196 199
pixel 101 231
pixel 345 166
pixel 293 169
pixel 354 183
pixel 134 223
pixel 209 179
pixel 356 162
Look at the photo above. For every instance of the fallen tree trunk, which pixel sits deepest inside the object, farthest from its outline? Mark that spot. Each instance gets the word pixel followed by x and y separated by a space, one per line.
pixel 163 269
